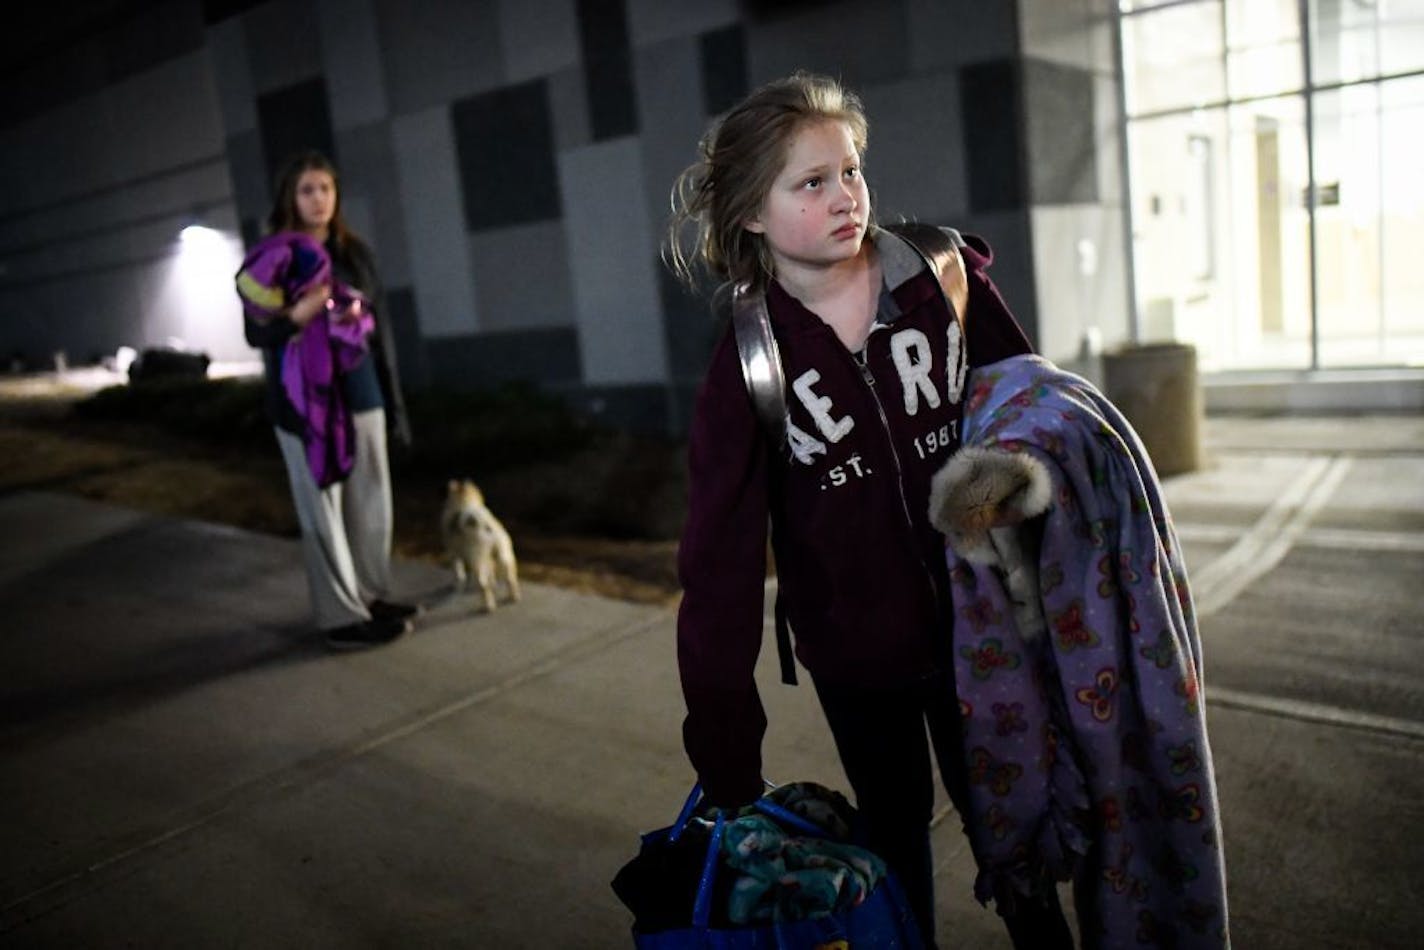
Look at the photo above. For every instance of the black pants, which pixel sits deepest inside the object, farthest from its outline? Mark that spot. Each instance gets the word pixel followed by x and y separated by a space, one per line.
pixel 880 735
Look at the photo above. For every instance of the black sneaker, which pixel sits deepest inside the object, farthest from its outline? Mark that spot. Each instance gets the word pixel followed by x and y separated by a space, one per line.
pixel 371 633
pixel 385 610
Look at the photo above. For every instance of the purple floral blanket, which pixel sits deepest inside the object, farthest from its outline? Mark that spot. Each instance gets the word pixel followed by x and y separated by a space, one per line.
pixel 1086 745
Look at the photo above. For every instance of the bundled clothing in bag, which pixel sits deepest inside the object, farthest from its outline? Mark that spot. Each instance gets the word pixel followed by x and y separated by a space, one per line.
pixel 1078 666
pixel 311 363
pixel 782 876
pixel 774 876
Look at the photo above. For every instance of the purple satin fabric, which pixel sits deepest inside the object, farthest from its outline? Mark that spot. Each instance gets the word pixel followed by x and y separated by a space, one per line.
pixel 311 376
pixel 278 270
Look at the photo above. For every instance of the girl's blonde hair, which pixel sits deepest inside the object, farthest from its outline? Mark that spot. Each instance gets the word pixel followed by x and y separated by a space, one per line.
pixel 740 157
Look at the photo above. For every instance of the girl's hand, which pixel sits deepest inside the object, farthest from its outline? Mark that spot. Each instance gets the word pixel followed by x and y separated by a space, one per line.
pixel 309 305
pixel 351 313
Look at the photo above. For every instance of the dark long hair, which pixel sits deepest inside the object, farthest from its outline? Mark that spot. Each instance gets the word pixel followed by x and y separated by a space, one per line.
pixel 284 216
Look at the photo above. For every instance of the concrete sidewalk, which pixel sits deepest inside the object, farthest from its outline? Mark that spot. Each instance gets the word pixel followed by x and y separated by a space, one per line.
pixel 185 765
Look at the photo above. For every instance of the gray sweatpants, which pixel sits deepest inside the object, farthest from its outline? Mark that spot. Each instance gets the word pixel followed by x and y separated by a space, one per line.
pixel 346 527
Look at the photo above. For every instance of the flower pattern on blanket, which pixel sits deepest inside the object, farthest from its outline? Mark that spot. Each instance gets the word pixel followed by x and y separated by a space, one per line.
pixel 1087 751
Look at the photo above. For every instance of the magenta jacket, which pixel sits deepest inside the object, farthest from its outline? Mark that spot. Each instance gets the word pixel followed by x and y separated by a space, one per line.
pixel 861 570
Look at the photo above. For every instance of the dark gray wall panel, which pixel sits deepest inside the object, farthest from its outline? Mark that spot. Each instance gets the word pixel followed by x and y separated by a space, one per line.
pixel 669 85
pixel 216 11
pixel 537 37
pixel 252 187
pixel 723 58
pixel 644 409
pixel 506 156
pixel 368 172
pixel 282 44
pixel 568 109
pixel 156 33
pixel 1010 234
pixel 292 120
pixel 521 277
pixel 544 356
pixel 608 68
pixel 615 290
pixel 916 161
pixel 990 107
pixel 351 54
pixel 867 43
pixel 653 21
pixel 410 348
pixel 429 179
pixel 949 33
pixel 689 326
pixel 227 49
pixel 50 82
pixel 433 53
pixel 1062 152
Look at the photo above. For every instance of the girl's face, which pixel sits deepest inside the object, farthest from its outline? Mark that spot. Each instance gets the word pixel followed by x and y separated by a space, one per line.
pixel 817 210
pixel 316 199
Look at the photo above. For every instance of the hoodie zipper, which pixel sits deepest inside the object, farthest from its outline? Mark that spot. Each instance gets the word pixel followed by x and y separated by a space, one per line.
pixel 862 362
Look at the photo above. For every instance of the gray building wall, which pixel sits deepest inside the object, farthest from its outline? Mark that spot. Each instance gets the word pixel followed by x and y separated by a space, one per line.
pixel 510 161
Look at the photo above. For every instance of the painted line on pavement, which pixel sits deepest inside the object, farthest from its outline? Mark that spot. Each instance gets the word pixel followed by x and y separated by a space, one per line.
pixel 1266 542
pixel 1347 539
pixel 1313 712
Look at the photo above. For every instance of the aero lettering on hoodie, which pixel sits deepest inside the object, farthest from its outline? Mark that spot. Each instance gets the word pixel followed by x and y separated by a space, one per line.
pixel 910 352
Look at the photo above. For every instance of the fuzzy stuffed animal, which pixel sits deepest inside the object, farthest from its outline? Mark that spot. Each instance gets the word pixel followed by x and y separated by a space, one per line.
pixel 980 500
pixel 477 544
pixel 981 489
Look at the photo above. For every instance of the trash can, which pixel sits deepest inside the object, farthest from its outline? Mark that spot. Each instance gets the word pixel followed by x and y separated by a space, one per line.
pixel 1156 387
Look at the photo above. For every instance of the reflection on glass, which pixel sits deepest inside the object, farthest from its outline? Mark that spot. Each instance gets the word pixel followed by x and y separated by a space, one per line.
pixel 1174 57
pixel 1362 39
pixel 1221 198
pixel 1370 223
pixel 1270 224
pixel 1263 48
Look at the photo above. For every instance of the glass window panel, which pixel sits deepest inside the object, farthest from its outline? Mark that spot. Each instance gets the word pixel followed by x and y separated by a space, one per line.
pixel 1174 57
pixel 1222 217
pixel 1269 238
pixel 1182 232
pixel 1263 47
pixel 1370 224
pixel 1401 36
pixel 1365 39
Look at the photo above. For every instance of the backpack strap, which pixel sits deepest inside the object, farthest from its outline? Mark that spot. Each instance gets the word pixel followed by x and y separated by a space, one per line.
pixel 766 384
pixel 939 248
pixel 761 361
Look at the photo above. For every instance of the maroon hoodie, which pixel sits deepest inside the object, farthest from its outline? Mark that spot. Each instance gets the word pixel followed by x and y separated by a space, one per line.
pixel 860 569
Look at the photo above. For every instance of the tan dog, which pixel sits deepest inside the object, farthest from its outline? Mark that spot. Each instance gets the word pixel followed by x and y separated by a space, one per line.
pixel 477 544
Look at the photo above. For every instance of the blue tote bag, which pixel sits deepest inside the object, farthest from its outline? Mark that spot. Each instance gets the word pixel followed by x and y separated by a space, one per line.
pixel 882 921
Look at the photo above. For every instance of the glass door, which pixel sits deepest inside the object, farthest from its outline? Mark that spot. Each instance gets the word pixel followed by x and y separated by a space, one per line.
pixel 1277 204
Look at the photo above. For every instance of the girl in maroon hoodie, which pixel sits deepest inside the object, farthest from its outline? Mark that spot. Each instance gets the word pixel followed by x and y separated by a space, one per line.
pixel 874 363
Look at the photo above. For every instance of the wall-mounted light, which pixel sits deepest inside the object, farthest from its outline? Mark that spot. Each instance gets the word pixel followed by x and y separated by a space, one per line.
pixel 196 232
pixel 196 302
